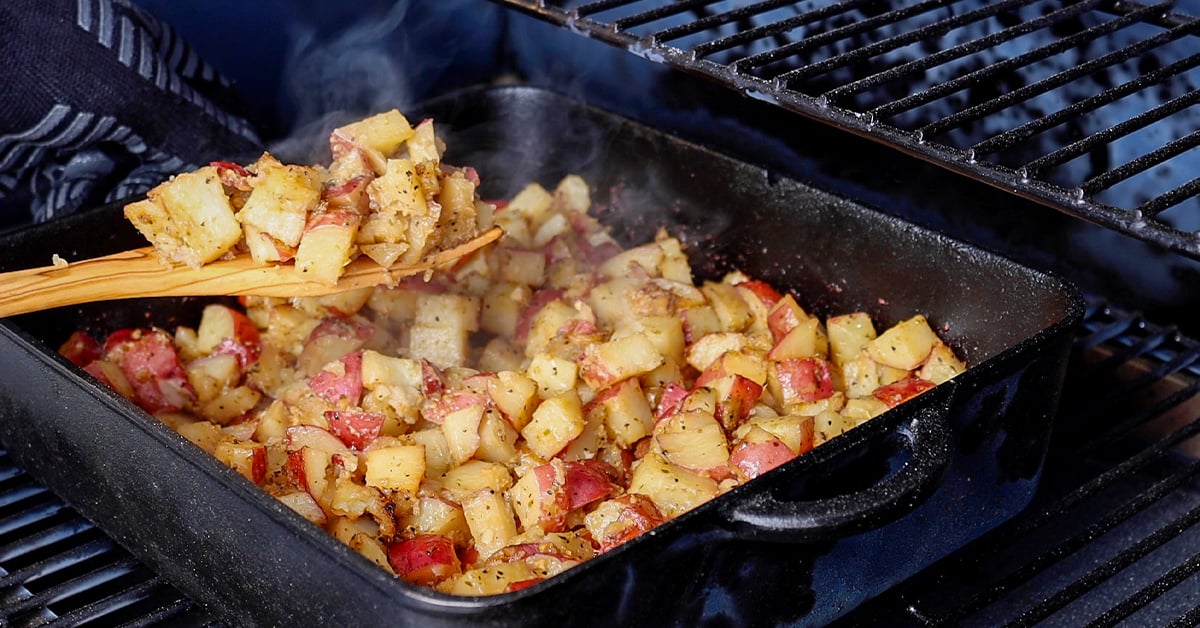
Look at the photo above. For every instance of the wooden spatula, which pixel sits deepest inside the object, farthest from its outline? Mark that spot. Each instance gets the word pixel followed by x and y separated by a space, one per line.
pixel 141 273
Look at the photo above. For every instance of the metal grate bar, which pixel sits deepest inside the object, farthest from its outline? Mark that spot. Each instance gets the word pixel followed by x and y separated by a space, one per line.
pixel 1190 619
pixel 1161 203
pixel 1028 58
pixel 960 51
pixel 51 595
pixel 1141 164
pixel 1112 133
pixel 1173 578
pixel 1033 127
pixel 1052 82
pixel 58 561
pixel 1143 416
pixel 892 43
pixel 782 52
pixel 1096 576
pixel 767 30
pixel 645 17
pixel 1073 543
pixel 43 538
pixel 720 19
pixel 600 5
pixel 137 593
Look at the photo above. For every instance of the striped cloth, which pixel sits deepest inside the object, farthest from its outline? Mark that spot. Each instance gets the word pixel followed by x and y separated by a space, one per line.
pixel 99 102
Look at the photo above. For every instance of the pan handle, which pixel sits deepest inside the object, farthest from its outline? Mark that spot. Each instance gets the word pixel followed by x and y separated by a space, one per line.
pixel 926 438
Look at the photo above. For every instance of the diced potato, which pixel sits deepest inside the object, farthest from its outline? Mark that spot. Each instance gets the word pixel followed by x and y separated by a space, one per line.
pixel 672 488
pixel 693 440
pixel 326 246
pixel 188 219
pixel 516 395
pixel 497 439
pixel 490 519
pixel 626 412
pixel 451 311
pixel 501 308
pixel 905 345
pixel 437 451
pixel 533 203
pixel 546 323
pixel 230 404
pixel 553 375
pixel 423 144
pixel 247 458
pixel 522 267
pixel 702 353
pixel 398 468
pixel 443 346
pixel 461 429
pixel 863 409
pixel 555 422
pixel 433 515
pixel 280 202
pixel 647 257
pixel 384 132
pixel 728 304
pixel 476 475
pixel 849 334
pixel 664 332
pixel 941 365
pixel 572 194
pixel 609 362
pixel 490 580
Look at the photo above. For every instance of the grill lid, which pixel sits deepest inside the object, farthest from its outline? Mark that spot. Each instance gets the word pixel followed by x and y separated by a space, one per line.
pixel 1084 106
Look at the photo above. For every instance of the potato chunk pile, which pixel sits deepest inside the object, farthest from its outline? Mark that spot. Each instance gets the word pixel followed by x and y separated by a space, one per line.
pixel 386 195
pixel 546 400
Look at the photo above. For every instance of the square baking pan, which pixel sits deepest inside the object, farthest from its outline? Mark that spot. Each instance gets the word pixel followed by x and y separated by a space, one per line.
pixel 803 544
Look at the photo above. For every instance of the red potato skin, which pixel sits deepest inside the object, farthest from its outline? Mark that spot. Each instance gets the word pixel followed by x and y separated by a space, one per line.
pixel 246 344
pixel 258 465
pixel 436 410
pixel 81 349
pixel 783 317
pixel 424 560
pixel 673 394
pixel 768 295
pixel 734 408
pixel 355 428
pixel 754 459
pixel 804 380
pixel 432 382
pixel 639 515
pixel 151 364
pixel 588 481
pixel 535 305
pixel 350 194
pixel 331 387
pixel 898 392
pixel 555 499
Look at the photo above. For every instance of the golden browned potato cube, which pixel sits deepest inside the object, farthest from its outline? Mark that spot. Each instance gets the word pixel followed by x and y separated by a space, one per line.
pixel 188 219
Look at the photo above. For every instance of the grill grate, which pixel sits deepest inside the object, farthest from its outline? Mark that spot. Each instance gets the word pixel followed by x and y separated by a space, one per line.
pixel 1086 106
pixel 56 569
pixel 1113 535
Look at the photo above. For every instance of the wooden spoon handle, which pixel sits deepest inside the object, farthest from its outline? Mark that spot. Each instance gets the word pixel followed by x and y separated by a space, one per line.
pixel 142 273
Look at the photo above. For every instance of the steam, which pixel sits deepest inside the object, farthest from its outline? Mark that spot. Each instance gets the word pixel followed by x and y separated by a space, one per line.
pixel 367 67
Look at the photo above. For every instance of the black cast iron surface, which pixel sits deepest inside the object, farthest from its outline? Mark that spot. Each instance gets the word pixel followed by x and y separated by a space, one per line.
pixel 1130 553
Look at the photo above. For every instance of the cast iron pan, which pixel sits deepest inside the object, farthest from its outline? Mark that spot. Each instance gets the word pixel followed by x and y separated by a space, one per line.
pixel 801 544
